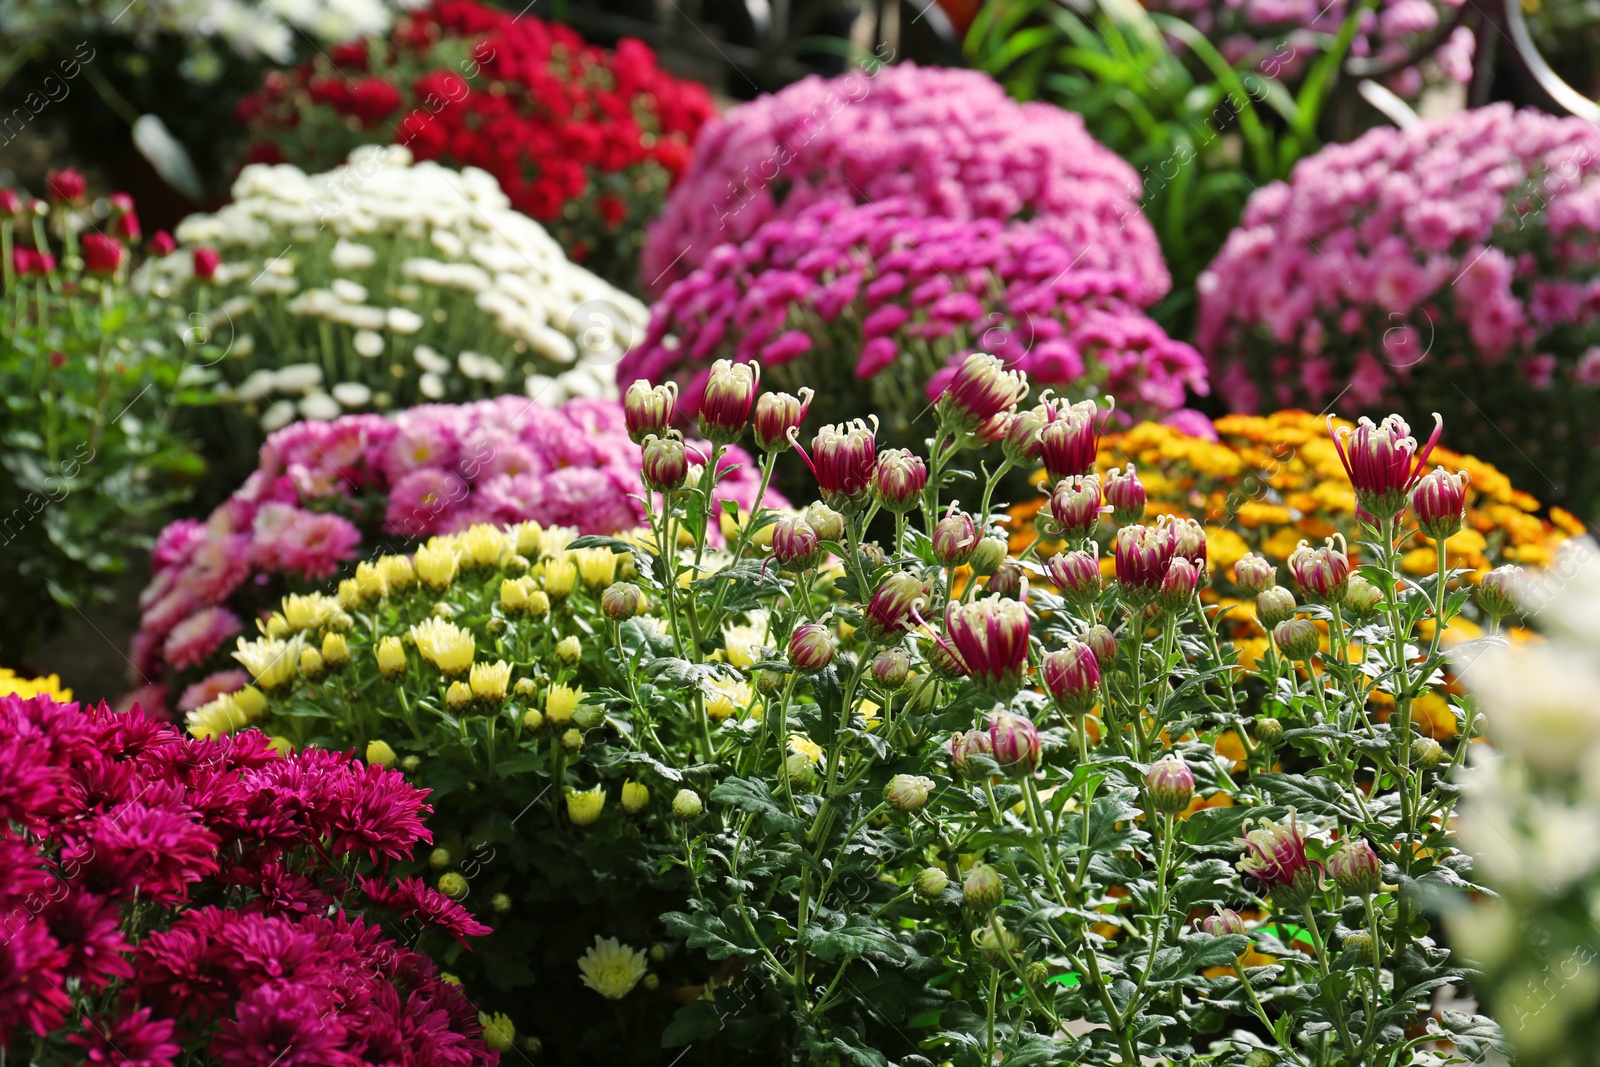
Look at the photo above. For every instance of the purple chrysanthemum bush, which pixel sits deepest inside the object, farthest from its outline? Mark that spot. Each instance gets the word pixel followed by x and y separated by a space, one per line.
pixel 842 295
pixel 935 142
pixel 1447 267
pixel 326 494
pixel 168 900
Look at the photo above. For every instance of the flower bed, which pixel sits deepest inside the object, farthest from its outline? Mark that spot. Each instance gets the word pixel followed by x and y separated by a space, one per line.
pixel 934 142
pixel 583 140
pixel 328 493
pixel 378 285
pixel 899 301
pixel 167 898
pixel 965 794
pixel 1448 267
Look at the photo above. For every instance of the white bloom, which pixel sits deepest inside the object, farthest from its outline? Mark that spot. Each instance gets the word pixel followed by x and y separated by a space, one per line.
pixel 348 291
pixel 431 361
pixel 352 394
pixel 348 255
pixel 432 386
pixel 259 385
pixel 367 343
pixel 611 968
pixel 319 406
pixel 448 243
pixel 480 367
pixel 298 377
pixel 403 320
pixel 279 415
pixel 1541 703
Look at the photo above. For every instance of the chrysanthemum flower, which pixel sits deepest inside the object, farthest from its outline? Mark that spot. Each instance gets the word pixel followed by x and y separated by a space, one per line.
pixel 611 968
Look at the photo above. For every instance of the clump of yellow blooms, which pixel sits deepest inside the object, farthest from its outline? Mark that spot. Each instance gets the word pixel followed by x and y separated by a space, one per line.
pixel 1270 481
pixel 13 684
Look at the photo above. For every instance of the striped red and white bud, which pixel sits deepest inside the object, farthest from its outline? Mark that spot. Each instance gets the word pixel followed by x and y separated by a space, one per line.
pixel 1076 575
pixel 981 389
pixel 795 545
pixel 899 480
pixel 1383 462
pixel 955 539
pixel 1125 493
pixel 1439 501
pixel 1075 506
pixel 776 415
pixel 647 409
pixel 1071 675
pixel 1015 742
pixel 729 395
pixel 1322 573
pixel 1170 784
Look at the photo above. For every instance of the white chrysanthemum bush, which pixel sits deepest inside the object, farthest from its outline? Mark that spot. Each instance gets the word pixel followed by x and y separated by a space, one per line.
pixel 859 784
pixel 381 284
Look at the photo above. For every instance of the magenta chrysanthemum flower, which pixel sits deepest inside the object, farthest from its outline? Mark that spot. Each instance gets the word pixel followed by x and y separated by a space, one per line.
pixel 88 929
pixel 32 982
pixel 152 850
pixel 283 1025
pixel 414 899
pixel 133 1040
pixel 194 639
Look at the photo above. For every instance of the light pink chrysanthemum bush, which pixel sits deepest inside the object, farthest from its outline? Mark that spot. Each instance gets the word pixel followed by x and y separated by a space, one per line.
pixel 938 142
pixel 1448 267
pixel 328 493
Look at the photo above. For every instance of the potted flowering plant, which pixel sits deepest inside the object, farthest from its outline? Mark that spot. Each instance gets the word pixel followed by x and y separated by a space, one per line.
pixel 89 458
pixel 167 899
pixel 921 799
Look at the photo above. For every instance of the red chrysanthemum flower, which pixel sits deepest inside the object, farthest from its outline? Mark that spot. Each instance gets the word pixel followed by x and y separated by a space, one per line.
pixel 88 929
pixel 412 898
pixel 32 983
pixel 134 1040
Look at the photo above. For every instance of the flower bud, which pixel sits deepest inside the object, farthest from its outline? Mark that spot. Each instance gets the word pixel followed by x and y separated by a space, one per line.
pixel 439 859
pixel 1006 580
pixel 889 611
pixel 206 262
pixel 569 650
pixel 1125 493
pixel 1015 741
pixel 907 792
pixel 686 805
pixel 162 244
pixel 900 478
pixel 725 404
pixel 532 719
pixel 458 696
pixel 379 754
pixel 1382 462
pixel 647 409
pixel 1020 445
pixel 101 254
pixel 663 463
pixel 1224 921
pixel 1071 676
pixel 622 600
pixel 1358 942
pixel 1142 554
pixel 66 185
pixel 955 538
pixel 1297 638
pixel 1274 605
pixel 584 805
pixel 310 663
pixel 828 523
pixel 1104 645
pixel 1171 784
pixel 777 414
pixel 770 683
pixel 1075 506
pixel 1361 599
pixel 795 545
pixel 989 637
pixel 1498 591
pixel 995 944
pixel 988 555
pixel 944 662
pixel 1069 442
pixel 801 772
pixel 981 389
pixel 1439 501
pixel 1354 867
pixel 410 764
pixel 572 739
pixel 844 461
pixel 1427 753
pixel 1323 573
pixel 335 649
pixel 453 885
pixel 635 797
pixel 931 883
pixel 810 647
pixel 500 903
pixel 1269 731
pixel 1275 855
pixel 963 747
pixel 982 890
pixel 891 667
pixel 1036 974
pixel 1176 592
pixel 1076 575
pixel 1254 575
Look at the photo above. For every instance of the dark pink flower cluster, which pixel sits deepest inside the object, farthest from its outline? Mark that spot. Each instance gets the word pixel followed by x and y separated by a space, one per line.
pixel 328 492
pixel 1456 259
pixel 937 142
pixel 901 300
pixel 165 898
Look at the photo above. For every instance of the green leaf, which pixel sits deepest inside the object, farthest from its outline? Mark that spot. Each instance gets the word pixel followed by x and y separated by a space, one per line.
pixel 752 795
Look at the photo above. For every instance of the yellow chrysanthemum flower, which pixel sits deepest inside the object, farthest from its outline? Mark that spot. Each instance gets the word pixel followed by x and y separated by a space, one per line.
pixel 490 680
pixel 444 644
pixel 611 968
pixel 561 702
pixel 437 562
pixel 12 684
pixel 804 746
pixel 271 661
pixel 584 806
pixel 484 545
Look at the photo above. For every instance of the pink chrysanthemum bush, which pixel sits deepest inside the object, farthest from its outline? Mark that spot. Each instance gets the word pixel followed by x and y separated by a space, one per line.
pixel 842 295
pixel 327 493
pixel 170 901
pixel 1447 267
pixel 867 785
pixel 937 142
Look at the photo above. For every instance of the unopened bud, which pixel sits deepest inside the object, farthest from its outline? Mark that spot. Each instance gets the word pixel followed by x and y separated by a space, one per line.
pixel 983 889
pixel 686 805
pixel 990 553
pixel 1275 605
pixel 1171 784
pixel 1297 638
pixel 931 882
pixel 907 792
pixel 1426 752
